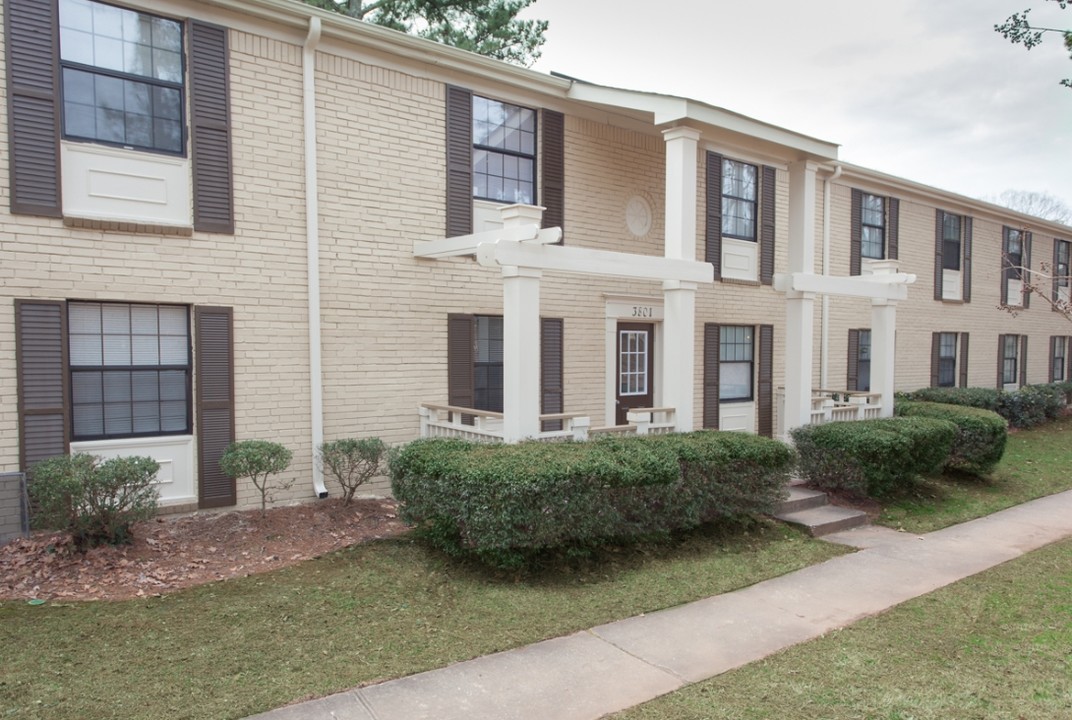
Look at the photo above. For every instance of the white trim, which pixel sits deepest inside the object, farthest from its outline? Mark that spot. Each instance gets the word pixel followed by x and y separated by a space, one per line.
pixel 593 262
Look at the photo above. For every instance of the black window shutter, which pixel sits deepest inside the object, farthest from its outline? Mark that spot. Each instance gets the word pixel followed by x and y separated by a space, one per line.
pixel 41 371
pixel 1023 360
pixel 939 217
pixel 936 357
pixel 710 379
pixel 210 124
pixel 893 225
pixel 459 161
pixel 554 170
pixel 766 235
pixel 551 389
pixel 214 375
pixel 964 359
pixel 853 376
pixel 713 228
pixel 460 360
pixel 856 231
pixel 1001 361
pixel 1006 268
pixel 765 394
pixel 1027 266
pixel 1053 270
pixel 31 31
pixel 1053 351
pixel 966 266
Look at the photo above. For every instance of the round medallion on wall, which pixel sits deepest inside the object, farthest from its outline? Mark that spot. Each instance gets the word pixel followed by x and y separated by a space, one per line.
pixel 638 216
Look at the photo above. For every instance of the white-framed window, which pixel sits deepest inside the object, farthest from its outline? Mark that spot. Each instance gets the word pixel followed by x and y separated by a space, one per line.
pixel 488 363
pixel 1062 249
pixel 633 357
pixel 947 360
pixel 736 352
pixel 1010 359
pixel 1059 360
pixel 951 242
pixel 873 227
pixel 504 151
pixel 740 192
pixel 130 369
pixel 121 77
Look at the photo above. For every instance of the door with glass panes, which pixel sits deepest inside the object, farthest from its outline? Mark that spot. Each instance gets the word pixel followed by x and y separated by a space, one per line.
pixel 636 368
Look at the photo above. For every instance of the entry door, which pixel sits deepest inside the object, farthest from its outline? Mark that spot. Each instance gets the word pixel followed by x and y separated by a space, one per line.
pixel 636 368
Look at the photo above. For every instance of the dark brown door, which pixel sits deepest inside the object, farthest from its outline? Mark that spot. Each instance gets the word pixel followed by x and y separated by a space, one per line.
pixel 636 368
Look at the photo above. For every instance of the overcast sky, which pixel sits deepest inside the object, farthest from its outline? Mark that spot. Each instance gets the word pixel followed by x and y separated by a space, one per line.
pixel 920 89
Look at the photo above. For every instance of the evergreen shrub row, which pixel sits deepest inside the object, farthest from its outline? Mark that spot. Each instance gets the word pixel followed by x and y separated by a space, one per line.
pixel 1027 407
pixel 979 443
pixel 506 504
pixel 872 457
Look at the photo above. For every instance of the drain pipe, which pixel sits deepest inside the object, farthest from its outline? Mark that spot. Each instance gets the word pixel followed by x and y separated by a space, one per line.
pixel 824 321
pixel 312 245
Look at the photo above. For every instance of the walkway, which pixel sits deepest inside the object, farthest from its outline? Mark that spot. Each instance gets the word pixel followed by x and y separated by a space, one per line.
pixel 611 667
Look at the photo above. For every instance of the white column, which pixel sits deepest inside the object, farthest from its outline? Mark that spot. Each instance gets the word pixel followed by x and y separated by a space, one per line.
pixel 800 307
pixel 680 226
pixel 679 350
pixel 521 338
pixel 883 327
pixel 679 305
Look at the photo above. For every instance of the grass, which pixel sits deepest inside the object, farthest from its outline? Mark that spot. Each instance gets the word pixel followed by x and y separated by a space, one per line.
pixel 372 612
pixel 993 647
pixel 1037 462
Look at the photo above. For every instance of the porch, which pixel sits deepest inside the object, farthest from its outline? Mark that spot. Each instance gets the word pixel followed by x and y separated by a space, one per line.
pixel 475 425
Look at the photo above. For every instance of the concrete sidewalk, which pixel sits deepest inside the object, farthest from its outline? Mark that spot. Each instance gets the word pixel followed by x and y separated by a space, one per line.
pixel 615 666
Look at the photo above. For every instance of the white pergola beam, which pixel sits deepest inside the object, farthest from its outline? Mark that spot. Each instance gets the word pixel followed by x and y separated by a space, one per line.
pixel 467 244
pixel 880 287
pixel 593 262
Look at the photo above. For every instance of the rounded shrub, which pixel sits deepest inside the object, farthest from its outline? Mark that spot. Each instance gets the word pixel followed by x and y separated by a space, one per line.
pixel 979 443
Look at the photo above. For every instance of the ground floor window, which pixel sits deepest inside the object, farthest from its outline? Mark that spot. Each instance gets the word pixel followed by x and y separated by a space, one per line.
pixel 736 352
pixel 1010 359
pixel 947 360
pixel 488 363
pixel 859 361
pixel 1058 358
pixel 129 369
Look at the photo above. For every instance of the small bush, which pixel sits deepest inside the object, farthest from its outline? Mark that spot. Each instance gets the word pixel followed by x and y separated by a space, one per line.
pixel 985 398
pixel 872 457
pixel 352 462
pixel 506 504
pixel 256 459
pixel 981 435
pixel 1031 405
pixel 96 502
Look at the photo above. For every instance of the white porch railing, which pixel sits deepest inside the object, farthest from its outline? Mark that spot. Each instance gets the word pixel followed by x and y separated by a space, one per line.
pixel 487 426
pixel 833 406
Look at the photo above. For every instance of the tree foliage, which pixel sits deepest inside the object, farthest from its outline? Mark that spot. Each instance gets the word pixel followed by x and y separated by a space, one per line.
pixel 1018 30
pixel 487 27
pixel 1039 204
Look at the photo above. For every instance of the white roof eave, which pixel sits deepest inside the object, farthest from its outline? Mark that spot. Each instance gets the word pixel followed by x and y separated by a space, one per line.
pixel 671 110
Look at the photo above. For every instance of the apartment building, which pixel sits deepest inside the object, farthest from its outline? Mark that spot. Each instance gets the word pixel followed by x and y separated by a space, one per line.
pixel 255 219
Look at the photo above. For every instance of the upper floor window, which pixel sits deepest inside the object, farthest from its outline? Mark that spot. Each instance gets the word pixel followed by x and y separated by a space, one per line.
pixel 122 76
pixel 1061 279
pixel 735 362
pixel 1014 252
pixel 873 227
pixel 951 250
pixel 504 152
pixel 130 370
pixel 739 197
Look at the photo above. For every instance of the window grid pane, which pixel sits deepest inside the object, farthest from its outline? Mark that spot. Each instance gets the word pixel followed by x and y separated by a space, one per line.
pixel 735 372
pixel 488 364
pixel 873 231
pixel 120 385
pixel 1059 359
pixel 633 362
pixel 1009 354
pixel 504 151
pixel 947 360
pixel 739 192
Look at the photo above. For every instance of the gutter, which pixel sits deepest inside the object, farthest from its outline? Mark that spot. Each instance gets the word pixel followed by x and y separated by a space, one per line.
pixel 312 244
pixel 824 321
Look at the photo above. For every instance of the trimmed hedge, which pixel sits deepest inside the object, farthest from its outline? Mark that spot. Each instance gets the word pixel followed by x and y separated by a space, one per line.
pixel 981 435
pixel 1027 407
pixel 872 457
pixel 506 504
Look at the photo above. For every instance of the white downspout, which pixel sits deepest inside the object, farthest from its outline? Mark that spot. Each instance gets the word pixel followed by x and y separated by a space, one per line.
pixel 824 321
pixel 312 244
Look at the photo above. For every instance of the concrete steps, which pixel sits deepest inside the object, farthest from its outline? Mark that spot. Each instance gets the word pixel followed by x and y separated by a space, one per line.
pixel 810 510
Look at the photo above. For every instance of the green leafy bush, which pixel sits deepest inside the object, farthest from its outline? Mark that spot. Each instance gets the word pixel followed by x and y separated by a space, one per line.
pixel 1027 407
pixel 985 398
pixel 506 504
pixel 872 457
pixel 96 502
pixel 981 435
pixel 352 462
pixel 257 460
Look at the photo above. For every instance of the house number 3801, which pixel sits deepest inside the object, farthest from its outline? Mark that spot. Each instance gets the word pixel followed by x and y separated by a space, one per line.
pixel 642 312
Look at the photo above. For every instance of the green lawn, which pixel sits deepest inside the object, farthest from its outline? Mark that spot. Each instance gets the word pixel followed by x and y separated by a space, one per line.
pixel 1037 462
pixel 992 647
pixel 393 608
pixel 373 612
